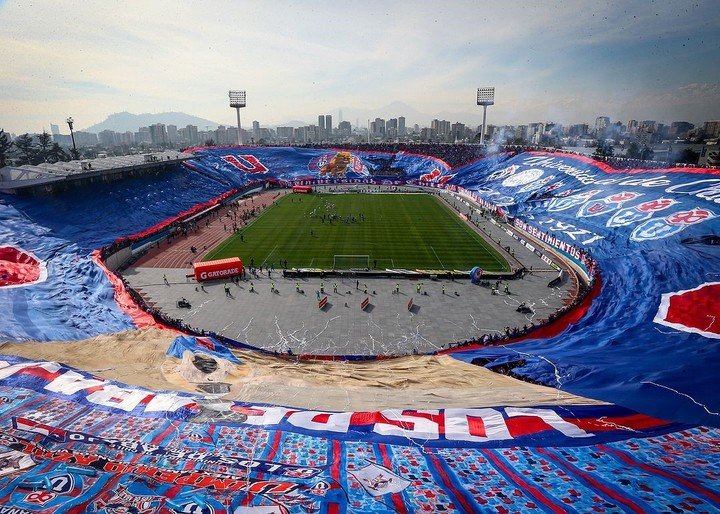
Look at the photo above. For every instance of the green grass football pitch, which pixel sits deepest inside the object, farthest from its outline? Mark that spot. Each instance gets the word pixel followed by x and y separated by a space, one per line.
pixel 412 231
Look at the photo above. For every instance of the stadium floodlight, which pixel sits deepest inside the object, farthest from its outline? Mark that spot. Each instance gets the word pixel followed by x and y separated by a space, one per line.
pixel 70 122
pixel 237 100
pixel 485 97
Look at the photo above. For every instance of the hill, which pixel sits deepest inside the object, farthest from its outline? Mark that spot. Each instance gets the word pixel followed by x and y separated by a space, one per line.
pixel 124 121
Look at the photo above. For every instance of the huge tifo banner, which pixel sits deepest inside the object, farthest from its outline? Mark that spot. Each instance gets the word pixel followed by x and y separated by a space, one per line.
pixel 654 328
pixel 291 164
pixel 70 442
pixel 647 229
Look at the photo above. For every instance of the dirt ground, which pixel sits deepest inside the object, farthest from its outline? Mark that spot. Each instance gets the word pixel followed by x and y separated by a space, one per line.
pixel 138 358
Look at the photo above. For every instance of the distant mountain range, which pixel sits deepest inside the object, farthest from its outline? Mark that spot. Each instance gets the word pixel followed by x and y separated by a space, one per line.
pixel 126 121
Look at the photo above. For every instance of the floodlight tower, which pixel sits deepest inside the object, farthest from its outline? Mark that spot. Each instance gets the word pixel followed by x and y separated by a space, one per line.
pixel 70 122
pixel 485 97
pixel 237 100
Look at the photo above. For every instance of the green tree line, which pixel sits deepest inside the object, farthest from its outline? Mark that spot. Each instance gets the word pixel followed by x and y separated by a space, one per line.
pixel 27 149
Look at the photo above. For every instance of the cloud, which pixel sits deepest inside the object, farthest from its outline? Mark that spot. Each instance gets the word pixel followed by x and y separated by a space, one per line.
pixel 565 60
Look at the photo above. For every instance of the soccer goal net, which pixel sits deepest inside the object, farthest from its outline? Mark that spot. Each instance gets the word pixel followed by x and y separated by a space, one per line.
pixel 351 262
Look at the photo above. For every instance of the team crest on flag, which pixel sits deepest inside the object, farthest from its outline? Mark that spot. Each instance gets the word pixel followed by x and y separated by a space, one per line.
pixel 537 184
pixel 608 204
pixel 640 212
pixel 378 480
pixel 562 204
pixel 693 310
pixel 122 500
pixel 505 172
pixel 529 176
pixel 338 165
pixel 670 225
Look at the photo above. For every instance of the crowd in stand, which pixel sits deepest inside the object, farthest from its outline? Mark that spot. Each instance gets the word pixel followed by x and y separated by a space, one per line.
pixel 453 154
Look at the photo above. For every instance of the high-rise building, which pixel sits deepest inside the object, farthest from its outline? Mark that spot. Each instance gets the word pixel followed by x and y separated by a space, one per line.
pixel 300 135
pixel 401 126
pixel 158 134
pixel 578 130
pixel 172 133
pixel 601 124
pixel 340 118
pixel 328 126
pixel 377 127
pixel 321 125
pixel 521 133
pixel 191 133
pixel 220 135
pixel 143 135
pixel 632 126
pixel 344 129
pixel 649 125
pixel 54 130
pixel 85 139
pixel 256 130
pixel 285 134
pixel 391 127
pixel 680 128
pixel 457 131
pixel 232 135
pixel 107 137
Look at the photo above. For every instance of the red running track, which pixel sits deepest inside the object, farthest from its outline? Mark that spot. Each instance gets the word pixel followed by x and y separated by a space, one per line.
pixel 211 231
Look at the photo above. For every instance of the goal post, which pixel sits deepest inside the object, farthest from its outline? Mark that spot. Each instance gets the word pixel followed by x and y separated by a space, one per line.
pixel 351 262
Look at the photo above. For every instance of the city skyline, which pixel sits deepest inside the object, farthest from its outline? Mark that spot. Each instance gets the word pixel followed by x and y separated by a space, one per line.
pixel 567 64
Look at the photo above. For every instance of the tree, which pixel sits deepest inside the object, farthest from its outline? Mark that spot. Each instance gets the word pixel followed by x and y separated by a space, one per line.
pixel 5 146
pixel 209 142
pixel 26 147
pixel 633 151
pixel 44 144
pixel 646 154
pixel 604 149
pixel 56 153
pixel 687 156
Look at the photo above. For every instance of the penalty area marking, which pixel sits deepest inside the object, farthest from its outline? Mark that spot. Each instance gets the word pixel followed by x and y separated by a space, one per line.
pixel 268 256
pixel 436 256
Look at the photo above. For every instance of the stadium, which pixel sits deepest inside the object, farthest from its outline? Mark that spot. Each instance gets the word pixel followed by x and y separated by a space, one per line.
pixel 363 329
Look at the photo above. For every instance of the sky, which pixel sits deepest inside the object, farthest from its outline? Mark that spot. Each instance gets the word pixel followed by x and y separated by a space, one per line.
pixel 566 62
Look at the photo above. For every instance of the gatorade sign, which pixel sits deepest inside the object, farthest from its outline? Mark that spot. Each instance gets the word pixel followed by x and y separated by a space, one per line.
pixel 217 270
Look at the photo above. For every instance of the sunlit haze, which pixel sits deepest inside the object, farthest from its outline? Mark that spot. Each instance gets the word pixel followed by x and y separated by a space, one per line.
pixel 566 62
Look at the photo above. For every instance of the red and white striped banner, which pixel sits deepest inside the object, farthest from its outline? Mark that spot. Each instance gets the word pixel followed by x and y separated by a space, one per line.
pixel 365 303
